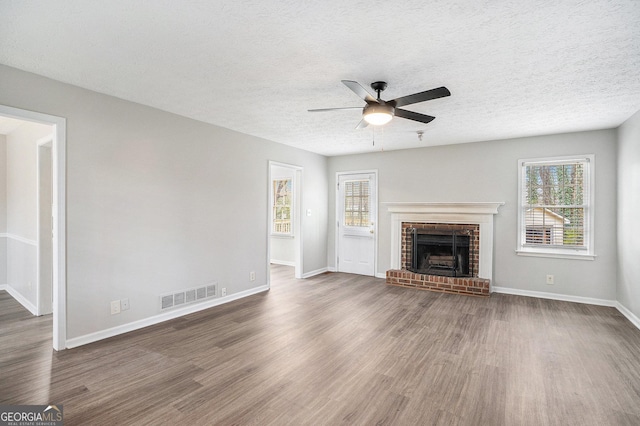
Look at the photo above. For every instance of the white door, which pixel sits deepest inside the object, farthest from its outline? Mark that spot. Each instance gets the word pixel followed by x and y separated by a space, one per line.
pixel 357 217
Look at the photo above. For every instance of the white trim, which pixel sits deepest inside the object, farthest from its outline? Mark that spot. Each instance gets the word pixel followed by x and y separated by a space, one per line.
pixel 555 296
pixel 382 275
pixel 20 298
pixel 331 269
pixel 480 213
pixel 59 155
pixel 576 256
pixel 19 239
pixel 282 262
pixel 630 315
pixel 316 272
pixel 156 319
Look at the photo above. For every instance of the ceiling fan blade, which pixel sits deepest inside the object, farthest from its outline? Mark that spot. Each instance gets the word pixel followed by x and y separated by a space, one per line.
pixel 332 109
pixel 427 95
pixel 362 124
pixel 359 90
pixel 410 115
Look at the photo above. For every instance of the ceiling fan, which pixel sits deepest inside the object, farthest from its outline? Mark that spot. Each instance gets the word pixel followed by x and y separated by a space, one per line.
pixel 378 112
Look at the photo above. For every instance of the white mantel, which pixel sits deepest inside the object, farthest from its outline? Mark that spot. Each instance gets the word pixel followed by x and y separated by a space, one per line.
pixel 480 213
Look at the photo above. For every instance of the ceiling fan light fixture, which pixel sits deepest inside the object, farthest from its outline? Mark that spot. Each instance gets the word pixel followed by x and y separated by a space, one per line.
pixel 378 114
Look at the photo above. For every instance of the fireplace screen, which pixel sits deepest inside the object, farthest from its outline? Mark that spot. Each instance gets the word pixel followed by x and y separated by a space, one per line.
pixel 445 253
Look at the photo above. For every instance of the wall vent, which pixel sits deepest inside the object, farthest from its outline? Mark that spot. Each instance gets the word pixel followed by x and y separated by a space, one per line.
pixel 211 290
pixel 201 293
pixel 172 300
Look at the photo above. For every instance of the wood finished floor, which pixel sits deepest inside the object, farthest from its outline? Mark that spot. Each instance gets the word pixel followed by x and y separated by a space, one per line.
pixel 339 349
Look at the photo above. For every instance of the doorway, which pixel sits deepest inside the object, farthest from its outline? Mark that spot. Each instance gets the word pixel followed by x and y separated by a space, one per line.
pixel 357 220
pixel 285 216
pixel 51 151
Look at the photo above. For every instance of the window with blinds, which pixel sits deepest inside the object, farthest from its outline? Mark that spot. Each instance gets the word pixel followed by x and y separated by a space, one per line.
pixel 356 203
pixel 555 205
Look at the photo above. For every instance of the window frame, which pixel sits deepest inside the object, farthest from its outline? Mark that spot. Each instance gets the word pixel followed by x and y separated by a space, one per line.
pixel 586 252
pixel 274 206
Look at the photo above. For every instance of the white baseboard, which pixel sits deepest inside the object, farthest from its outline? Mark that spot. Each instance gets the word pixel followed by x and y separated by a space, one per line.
pixel 156 319
pixel 331 269
pixel 282 262
pixel 555 296
pixel 316 272
pixel 630 315
pixel 19 298
pixel 382 275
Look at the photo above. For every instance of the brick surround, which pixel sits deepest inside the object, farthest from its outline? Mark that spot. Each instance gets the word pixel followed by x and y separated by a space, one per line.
pixel 458 285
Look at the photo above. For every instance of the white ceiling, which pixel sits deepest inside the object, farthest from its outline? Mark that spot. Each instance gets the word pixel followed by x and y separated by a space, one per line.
pixel 515 68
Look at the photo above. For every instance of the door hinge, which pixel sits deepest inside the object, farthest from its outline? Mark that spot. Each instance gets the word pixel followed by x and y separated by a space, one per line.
pixel 338 185
pixel 338 224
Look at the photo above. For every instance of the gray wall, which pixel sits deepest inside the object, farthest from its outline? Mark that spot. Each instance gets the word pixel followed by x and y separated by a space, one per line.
pixel 488 171
pixel 21 208
pixel 628 290
pixel 157 202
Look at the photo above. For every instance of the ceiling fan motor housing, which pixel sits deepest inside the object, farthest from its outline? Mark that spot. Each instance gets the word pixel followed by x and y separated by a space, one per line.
pixel 378 114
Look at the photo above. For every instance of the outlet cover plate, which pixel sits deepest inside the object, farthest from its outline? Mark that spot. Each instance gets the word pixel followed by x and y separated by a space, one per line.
pixel 115 307
pixel 224 291
pixel 124 304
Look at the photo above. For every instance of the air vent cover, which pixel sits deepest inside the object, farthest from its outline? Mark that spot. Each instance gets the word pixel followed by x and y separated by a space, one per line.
pixel 192 295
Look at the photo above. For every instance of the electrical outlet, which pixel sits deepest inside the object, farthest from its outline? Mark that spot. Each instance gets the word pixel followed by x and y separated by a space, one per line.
pixel 550 279
pixel 252 276
pixel 124 304
pixel 224 291
pixel 115 307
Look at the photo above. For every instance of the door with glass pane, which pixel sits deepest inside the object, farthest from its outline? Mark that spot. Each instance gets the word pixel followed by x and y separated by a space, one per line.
pixel 357 216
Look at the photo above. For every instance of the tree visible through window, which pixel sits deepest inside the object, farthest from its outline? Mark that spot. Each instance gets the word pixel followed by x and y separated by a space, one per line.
pixel 282 204
pixel 555 203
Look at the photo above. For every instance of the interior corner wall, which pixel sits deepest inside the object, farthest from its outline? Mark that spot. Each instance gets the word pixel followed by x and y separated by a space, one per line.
pixel 628 287
pixel 158 203
pixel 488 171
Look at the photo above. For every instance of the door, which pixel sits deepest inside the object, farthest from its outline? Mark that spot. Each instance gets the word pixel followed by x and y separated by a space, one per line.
pixel 357 218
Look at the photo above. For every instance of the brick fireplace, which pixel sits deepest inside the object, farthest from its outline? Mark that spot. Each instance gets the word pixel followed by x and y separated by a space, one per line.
pixel 467 270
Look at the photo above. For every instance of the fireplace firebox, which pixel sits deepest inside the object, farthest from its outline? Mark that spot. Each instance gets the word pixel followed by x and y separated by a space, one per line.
pixel 443 253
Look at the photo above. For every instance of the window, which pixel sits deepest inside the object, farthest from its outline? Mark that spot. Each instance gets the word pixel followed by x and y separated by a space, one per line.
pixel 282 206
pixel 356 203
pixel 555 207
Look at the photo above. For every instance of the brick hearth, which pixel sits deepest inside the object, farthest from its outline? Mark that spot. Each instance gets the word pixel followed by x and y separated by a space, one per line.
pixel 469 286
pixel 458 285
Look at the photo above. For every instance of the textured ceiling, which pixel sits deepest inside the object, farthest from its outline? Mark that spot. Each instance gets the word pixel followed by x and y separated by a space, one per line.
pixel 514 68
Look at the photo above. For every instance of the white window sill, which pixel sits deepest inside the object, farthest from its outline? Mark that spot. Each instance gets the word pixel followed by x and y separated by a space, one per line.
pixel 556 254
pixel 283 235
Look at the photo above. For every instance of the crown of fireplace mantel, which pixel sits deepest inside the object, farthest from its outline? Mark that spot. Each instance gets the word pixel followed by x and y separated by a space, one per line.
pixel 443 207
pixel 480 213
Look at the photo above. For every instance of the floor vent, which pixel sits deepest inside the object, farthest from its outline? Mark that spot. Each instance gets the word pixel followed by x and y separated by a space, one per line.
pixel 172 300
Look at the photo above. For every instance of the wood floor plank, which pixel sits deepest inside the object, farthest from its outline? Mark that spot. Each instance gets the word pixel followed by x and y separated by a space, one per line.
pixel 339 349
